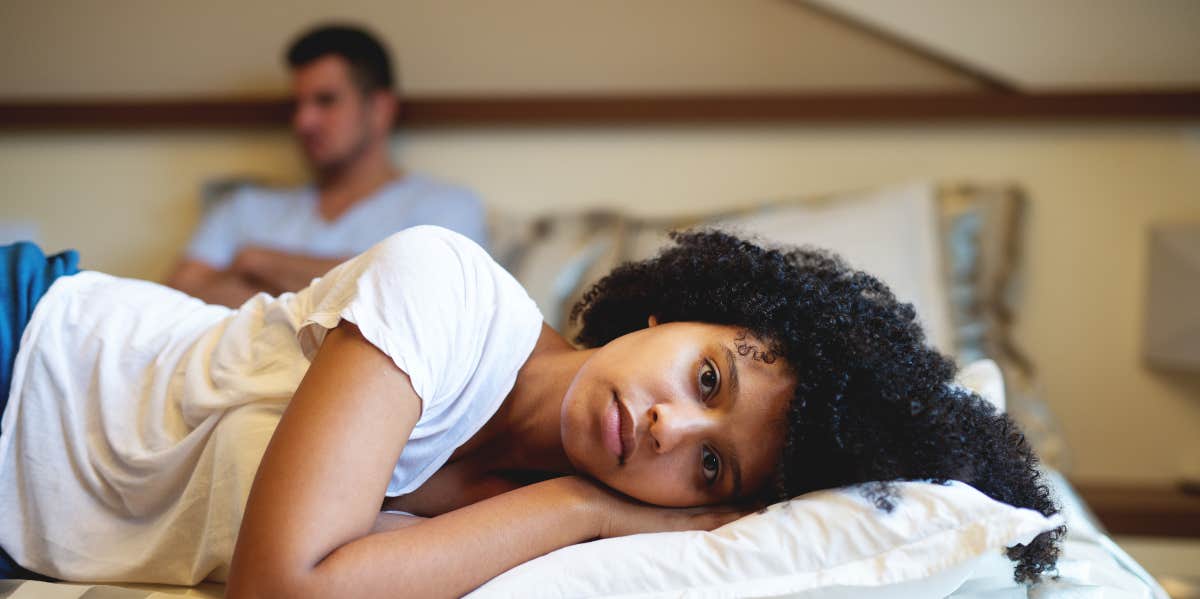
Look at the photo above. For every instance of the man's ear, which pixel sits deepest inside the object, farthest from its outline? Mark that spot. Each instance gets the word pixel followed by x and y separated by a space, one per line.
pixel 385 109
pixel 653 321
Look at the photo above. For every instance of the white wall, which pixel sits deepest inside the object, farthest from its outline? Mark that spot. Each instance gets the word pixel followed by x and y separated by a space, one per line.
pixel 128 200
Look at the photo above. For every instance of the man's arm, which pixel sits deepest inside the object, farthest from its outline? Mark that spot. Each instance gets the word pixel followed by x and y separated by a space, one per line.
pixel 254 269
pixel 282 271
pixel 202 271
pixel 212 285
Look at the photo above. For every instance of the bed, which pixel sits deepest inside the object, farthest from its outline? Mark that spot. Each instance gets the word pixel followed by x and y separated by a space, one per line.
pixel 951 249
pixel 1092 566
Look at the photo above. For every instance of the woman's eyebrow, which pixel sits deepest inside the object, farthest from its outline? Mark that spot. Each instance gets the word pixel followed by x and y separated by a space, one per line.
pixel 735 464
pixel 731 368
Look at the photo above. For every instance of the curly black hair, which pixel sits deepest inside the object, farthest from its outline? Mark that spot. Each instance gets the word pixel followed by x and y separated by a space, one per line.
pixel 873 402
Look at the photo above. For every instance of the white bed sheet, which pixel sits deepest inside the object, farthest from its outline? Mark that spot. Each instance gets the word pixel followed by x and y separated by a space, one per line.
pixel 1092 566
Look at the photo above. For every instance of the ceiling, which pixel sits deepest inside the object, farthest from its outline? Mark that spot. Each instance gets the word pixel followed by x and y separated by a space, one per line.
pixel 1048 45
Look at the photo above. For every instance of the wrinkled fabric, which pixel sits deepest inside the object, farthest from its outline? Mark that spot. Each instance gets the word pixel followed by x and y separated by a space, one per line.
pixel 25 275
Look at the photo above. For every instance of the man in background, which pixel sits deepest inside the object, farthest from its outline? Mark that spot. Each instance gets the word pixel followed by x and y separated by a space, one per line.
pixel 279 240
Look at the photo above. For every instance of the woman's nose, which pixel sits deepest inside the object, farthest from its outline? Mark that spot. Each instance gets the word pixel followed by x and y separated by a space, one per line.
pixel 672 424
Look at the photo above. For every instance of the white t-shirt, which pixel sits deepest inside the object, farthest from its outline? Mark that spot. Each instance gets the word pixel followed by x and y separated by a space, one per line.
pixel 289 220
pixel 138 415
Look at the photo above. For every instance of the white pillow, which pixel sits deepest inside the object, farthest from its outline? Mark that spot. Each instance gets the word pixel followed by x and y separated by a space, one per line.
pixel 984 378
pixel 834 543
pixel 892 233
pixel 831 544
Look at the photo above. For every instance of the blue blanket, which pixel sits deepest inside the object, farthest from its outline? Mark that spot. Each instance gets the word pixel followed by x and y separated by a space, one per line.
pixel 25 275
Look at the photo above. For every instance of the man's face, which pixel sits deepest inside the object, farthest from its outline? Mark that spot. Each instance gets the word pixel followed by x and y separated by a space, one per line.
pixel 333 121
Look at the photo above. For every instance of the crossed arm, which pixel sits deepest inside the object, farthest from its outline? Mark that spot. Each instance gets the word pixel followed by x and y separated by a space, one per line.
pixel 312 526
pixel 254 269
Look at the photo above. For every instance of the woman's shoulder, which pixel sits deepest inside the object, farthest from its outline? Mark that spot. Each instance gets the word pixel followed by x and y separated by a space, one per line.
pixel 433 242
pixel 430 272
pixel 436 255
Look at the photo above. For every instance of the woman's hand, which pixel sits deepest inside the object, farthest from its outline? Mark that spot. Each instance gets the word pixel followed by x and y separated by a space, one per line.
pixel 618 515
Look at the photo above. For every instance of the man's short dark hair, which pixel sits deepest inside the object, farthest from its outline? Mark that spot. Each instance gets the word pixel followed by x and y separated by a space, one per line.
pixel 369 63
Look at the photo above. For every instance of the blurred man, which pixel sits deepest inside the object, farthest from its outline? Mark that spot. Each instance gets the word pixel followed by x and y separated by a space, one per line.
pixel 276 241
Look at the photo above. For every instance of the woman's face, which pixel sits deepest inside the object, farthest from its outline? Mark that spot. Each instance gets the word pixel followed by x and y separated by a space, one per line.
pixel 679 414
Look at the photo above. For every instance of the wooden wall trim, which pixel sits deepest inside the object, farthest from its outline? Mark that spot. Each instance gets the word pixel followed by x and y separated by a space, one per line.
pixel 623 110
pixel 1150 510
pixel 142 114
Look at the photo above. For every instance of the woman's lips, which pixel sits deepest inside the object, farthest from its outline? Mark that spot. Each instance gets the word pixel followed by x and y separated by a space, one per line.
pixel 628 439
pixel 612 429
pixel 619 428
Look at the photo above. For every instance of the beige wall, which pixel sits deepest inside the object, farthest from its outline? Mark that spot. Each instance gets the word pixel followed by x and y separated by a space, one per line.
pixel 128 202
pixel 74 48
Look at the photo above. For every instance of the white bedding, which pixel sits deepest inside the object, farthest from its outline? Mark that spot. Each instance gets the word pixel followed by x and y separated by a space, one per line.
pixel 1092 566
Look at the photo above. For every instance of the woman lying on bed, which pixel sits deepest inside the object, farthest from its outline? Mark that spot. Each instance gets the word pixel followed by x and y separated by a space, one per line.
pixel 420 377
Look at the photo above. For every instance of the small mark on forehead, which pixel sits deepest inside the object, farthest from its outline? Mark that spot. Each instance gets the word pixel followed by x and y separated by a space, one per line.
pixel 747 347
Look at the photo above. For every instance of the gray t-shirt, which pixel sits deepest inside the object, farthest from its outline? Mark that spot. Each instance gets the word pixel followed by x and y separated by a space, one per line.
pixel 288 220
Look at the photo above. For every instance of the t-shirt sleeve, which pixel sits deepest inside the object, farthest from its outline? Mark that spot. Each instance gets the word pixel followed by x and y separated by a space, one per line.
pixel 424 296
pixel 215 241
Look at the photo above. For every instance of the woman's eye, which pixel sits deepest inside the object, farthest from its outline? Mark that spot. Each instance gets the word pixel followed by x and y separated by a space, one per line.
pixel 710 464
pixel 708 379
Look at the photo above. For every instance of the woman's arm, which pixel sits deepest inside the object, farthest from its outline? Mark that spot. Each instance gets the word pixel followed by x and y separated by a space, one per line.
pixel 385 522
pixel 308 526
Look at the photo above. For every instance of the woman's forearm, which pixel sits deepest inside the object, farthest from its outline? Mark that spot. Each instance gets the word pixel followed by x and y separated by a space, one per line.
pixel 386 522
pixel 451 554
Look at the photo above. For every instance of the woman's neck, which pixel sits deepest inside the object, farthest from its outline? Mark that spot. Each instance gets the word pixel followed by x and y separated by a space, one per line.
pixel 525 433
